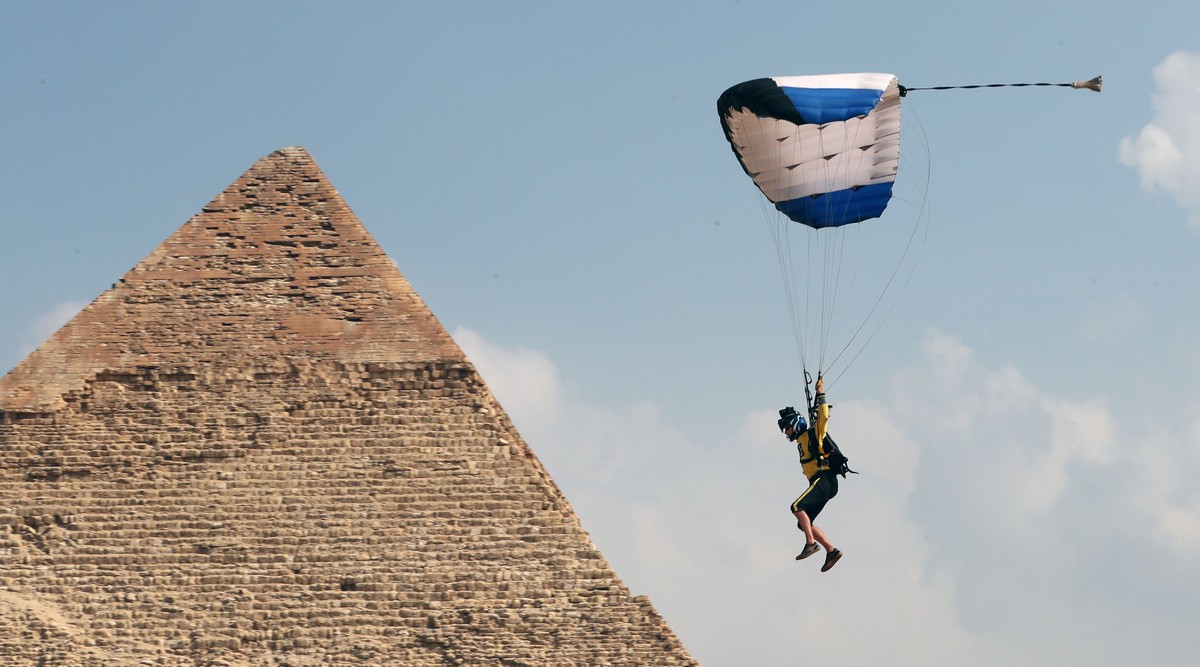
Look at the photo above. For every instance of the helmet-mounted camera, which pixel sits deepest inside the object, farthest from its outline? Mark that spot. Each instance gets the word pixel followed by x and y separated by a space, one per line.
pixel 789 418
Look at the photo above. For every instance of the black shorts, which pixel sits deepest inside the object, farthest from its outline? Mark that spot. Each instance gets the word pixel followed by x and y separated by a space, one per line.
pixel 821 489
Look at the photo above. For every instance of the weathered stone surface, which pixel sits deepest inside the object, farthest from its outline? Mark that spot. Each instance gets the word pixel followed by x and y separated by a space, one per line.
pixel 261 448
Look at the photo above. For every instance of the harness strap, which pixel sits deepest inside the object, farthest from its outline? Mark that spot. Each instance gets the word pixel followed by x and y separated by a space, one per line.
pixel 814 452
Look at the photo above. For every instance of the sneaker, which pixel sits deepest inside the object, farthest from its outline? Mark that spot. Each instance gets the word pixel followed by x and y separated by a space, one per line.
pixel 831 559
pixel 809 549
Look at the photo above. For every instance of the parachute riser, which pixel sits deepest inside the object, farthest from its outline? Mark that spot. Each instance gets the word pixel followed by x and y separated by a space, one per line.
pixel 808 399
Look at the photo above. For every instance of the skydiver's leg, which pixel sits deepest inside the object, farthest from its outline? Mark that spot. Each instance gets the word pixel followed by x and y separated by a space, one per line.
pixel 805 525
pixel 821 539
pixel 811 532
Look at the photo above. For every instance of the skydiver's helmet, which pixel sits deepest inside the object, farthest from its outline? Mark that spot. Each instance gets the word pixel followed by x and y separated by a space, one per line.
pixel 789 418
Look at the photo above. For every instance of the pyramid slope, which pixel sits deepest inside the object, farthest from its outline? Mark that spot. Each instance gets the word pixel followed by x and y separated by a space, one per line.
pixel 261 448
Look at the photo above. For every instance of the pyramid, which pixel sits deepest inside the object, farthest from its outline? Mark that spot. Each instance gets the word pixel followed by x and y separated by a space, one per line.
pixel 260 447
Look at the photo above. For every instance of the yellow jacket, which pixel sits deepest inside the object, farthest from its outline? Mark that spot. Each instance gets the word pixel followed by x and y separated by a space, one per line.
pixel 813 457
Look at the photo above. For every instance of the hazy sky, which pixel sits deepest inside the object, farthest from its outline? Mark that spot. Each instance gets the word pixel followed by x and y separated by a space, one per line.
pixel 553 180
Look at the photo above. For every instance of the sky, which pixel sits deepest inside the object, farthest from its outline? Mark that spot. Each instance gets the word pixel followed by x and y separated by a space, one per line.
pixel 553 181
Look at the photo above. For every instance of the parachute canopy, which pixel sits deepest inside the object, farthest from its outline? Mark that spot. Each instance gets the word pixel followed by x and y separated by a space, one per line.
pixel 824 149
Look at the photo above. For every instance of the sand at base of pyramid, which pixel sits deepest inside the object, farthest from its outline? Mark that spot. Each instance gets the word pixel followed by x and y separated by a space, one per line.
pixel 309 473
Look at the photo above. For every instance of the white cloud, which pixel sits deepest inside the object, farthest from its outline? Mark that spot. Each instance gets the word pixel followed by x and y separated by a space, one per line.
pixel 45 325
pixel 1166 153
pixel 1180 525
pixel 1079 434
pixel 1171 499
pixel 986 508
pixel 527 380
pixel 1116 321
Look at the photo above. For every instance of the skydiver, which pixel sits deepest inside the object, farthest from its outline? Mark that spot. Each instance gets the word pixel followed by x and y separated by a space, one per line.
pixel 822 480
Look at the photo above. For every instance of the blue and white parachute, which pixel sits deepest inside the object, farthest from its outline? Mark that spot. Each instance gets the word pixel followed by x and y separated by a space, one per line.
pixel 824 149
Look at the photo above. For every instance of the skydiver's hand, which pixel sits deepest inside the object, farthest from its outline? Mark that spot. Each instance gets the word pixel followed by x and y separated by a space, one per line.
pixel 820 385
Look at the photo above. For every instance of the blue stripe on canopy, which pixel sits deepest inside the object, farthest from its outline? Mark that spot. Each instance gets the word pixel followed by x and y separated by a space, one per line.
pixel 840 207
pixel 826 105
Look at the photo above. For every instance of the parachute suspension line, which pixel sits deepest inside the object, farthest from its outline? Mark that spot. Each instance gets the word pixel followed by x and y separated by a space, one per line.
pixel 778 229
pixel 887 288
pixel 827 246
pixel 797 281
pixel 834 269
pixel 803 300
pixel 1091 84
pixel 833 255
pixel 816 248
pixel 837 258
pixel 828 293
pixel 922 214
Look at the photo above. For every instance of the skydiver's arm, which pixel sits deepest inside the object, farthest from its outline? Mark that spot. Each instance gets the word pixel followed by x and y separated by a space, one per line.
pixel 821 427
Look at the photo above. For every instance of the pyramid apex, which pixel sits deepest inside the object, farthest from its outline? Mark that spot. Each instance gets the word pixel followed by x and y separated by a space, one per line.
pixel 293 151
pixel 275 267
